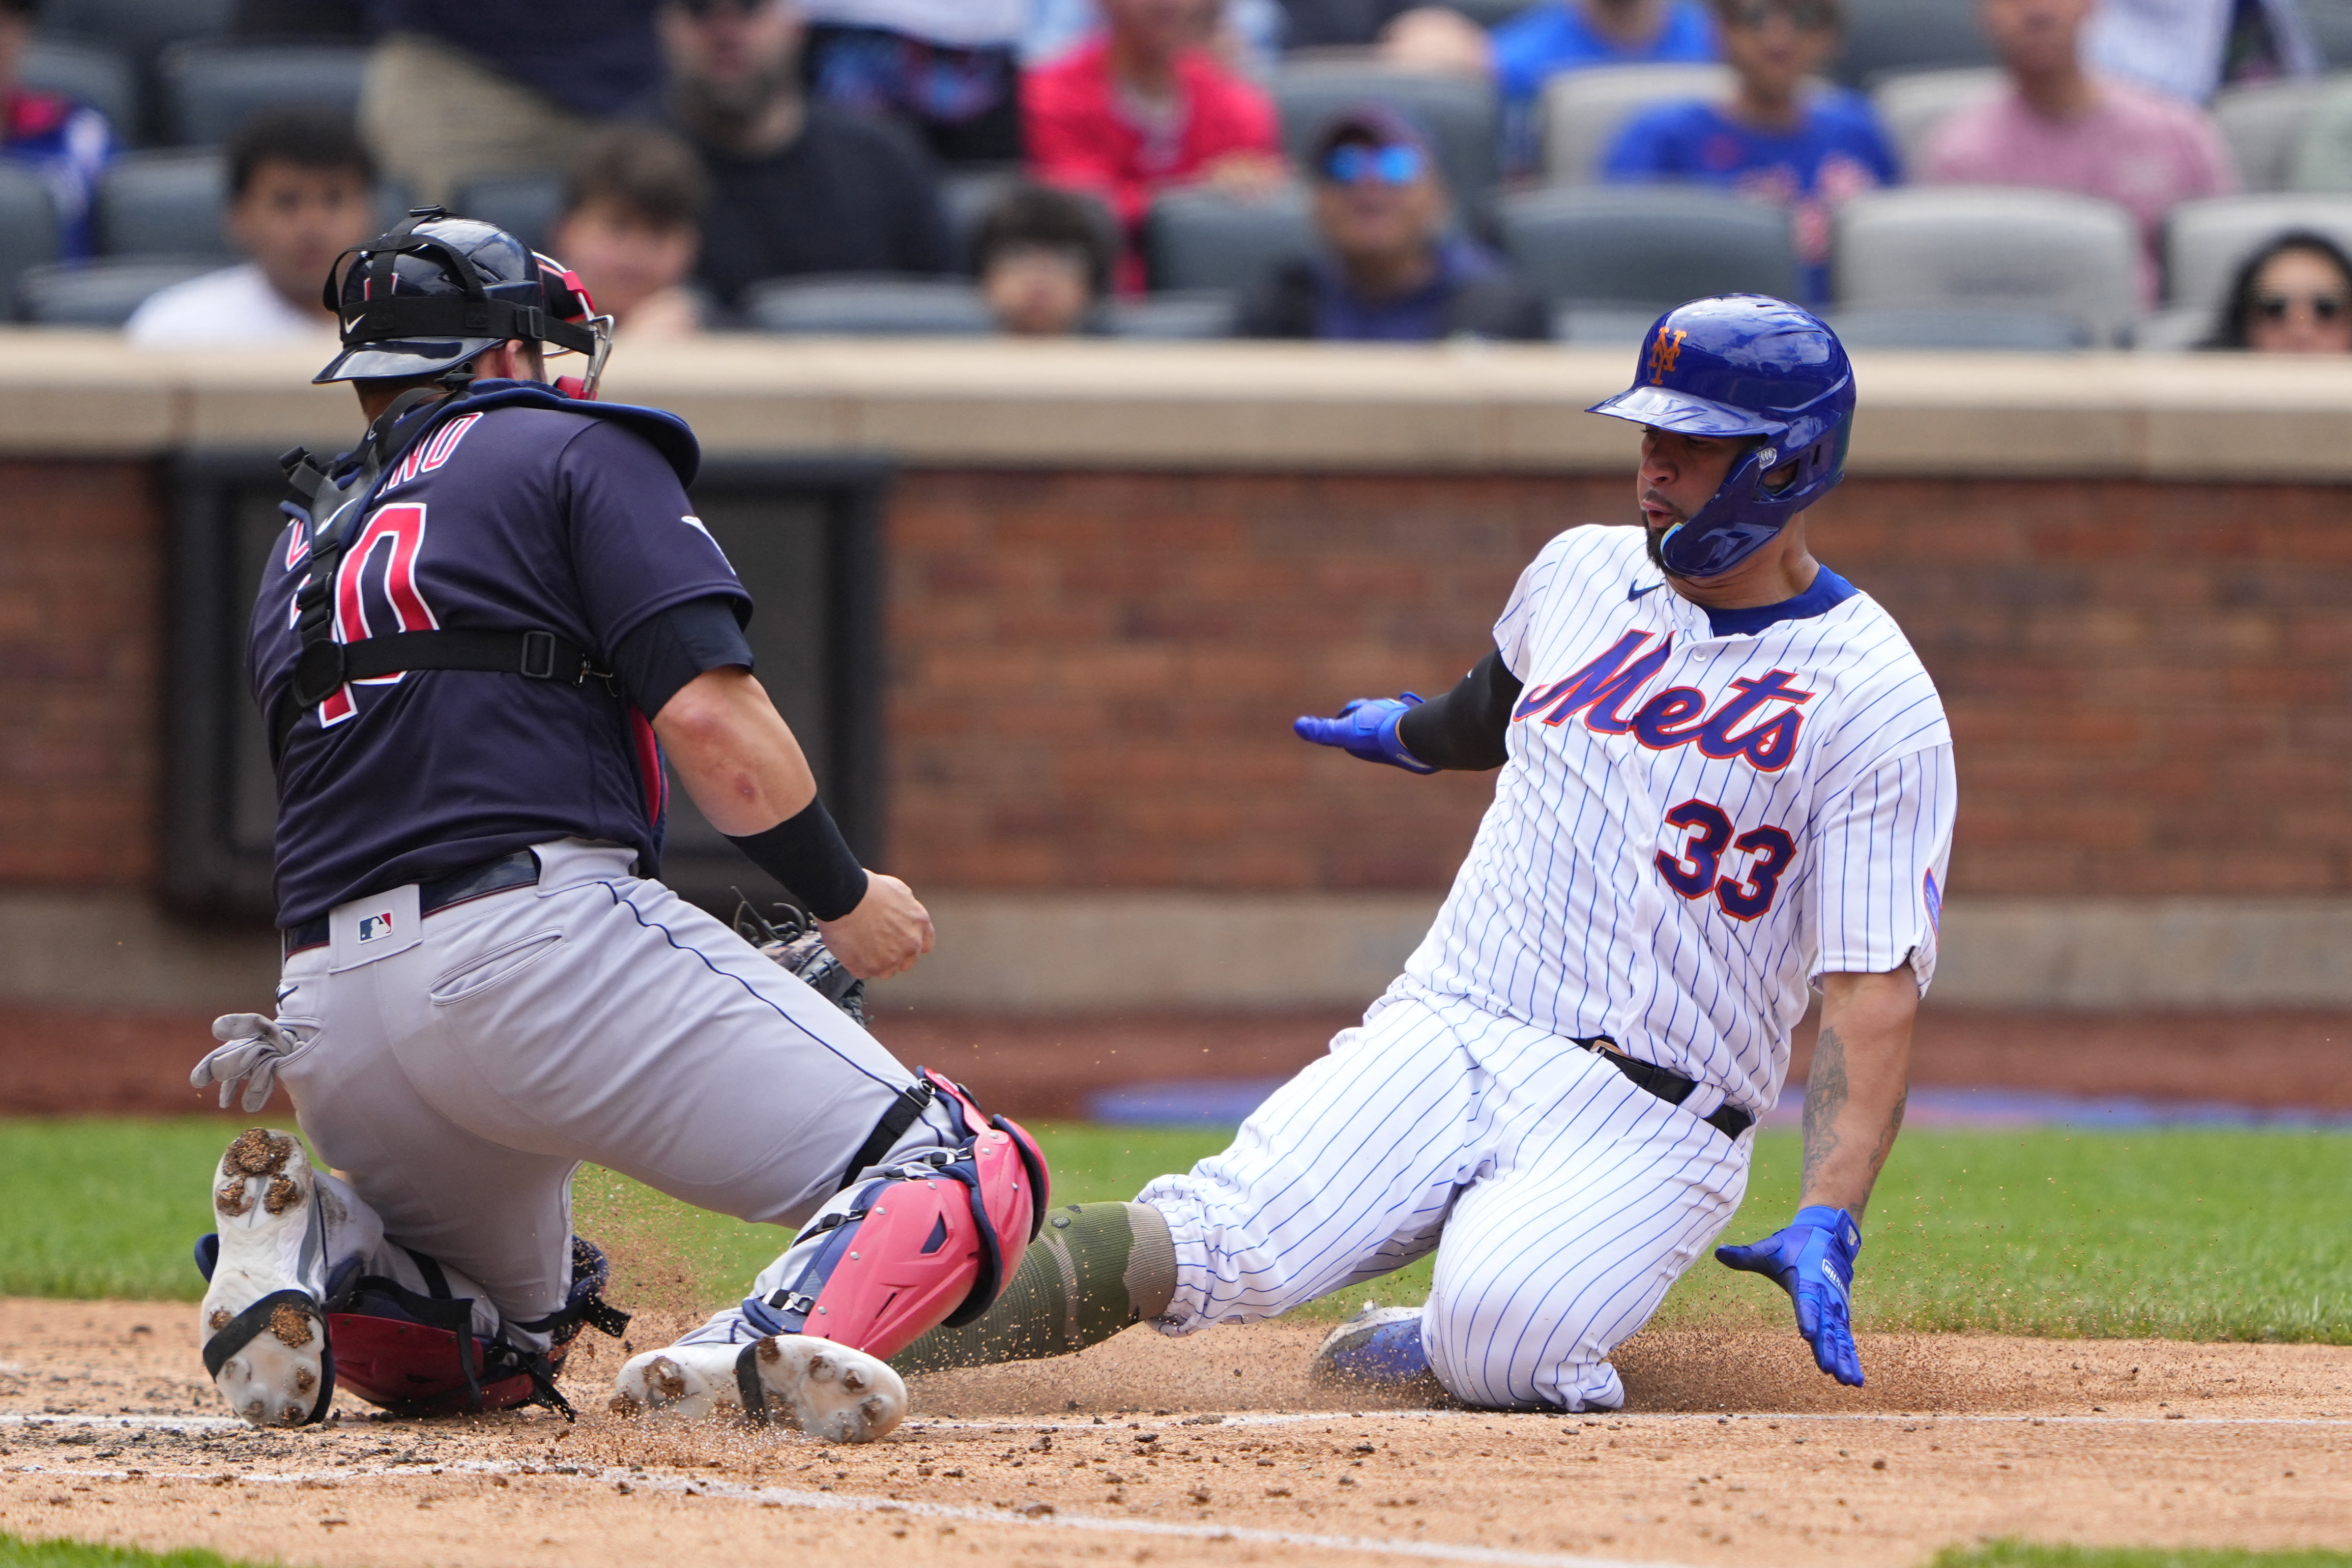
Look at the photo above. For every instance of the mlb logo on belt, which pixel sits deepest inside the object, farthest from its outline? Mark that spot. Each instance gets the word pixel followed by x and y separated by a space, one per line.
pixel 375 928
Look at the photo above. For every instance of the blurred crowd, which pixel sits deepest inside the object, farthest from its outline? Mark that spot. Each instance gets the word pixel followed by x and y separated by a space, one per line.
pixel 1338 169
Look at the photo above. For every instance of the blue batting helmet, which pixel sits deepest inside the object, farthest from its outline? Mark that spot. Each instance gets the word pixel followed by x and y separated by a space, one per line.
pixel 1744 365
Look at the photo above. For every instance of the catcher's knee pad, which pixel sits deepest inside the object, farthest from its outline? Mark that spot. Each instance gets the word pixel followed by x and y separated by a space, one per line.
pixel 417 1354
pixel 930 1240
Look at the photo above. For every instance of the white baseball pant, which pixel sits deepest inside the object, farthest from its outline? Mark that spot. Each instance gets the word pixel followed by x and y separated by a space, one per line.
pixel 1562 1200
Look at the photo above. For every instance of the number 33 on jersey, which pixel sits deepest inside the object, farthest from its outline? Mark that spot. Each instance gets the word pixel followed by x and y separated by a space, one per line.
pixel 1702 810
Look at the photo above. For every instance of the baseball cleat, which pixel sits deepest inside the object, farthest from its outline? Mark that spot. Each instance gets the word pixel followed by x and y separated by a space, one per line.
pixel 826 1390
pixel 265 1332
pixel 1379 1347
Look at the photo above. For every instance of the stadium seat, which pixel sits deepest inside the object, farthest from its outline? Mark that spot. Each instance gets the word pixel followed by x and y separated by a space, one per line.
pixel 2206 242
pixel 867 307
pixel 1461 115
pixel 525 206
pixel 211 88
pixel 1912 104
pixel 2264 125
pixel 1646 247
pixel 96 76
pixel 1584 110
pixel 2005 329
pixel 140 30
pixel 101 293
pixel 1989 246
pixel 2173 332
pixel 29 232
pixel 1883 38
pixel 165 203
pixel 1168 318
pixel 1205 239
pixel 2330 22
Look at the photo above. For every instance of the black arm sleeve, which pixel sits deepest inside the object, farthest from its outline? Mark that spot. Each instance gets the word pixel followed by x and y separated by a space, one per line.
pixel 671 647
pixel 1464 729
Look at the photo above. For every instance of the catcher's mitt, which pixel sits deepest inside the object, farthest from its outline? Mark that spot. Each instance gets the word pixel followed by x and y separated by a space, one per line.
pixel 791 941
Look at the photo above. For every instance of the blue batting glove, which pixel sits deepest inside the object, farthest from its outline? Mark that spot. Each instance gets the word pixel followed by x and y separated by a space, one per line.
pixel 1812 1260
pixel 1367 727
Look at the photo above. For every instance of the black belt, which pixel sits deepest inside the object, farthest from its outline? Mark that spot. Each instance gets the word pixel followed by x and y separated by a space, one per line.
pixel 1671 1088
pixel 517 869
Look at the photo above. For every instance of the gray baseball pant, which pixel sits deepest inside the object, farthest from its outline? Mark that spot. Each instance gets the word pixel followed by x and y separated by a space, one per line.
pixel 458 1082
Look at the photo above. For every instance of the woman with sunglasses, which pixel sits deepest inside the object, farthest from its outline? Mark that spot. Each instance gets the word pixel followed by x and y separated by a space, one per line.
pixel 2293 295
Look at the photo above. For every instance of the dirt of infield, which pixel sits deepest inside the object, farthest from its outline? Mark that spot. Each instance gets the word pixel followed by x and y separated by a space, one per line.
pixel 1214 1449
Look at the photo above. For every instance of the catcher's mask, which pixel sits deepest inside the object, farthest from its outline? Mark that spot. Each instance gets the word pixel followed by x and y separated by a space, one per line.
pixel 437 291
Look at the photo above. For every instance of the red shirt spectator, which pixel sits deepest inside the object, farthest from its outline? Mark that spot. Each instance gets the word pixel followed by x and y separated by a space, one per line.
pixel 1137 110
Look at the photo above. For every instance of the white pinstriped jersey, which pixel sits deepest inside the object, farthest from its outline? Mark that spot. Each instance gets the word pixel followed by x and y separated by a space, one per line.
pixel 1691 824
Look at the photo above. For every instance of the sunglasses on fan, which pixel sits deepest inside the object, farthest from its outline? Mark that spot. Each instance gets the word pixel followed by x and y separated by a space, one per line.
pixel 1392 165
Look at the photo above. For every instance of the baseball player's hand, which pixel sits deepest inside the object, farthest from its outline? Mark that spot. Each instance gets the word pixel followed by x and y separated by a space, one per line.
pixel 884 935
pixel 251 1049
pixel 1812 1260
pixel 1367 727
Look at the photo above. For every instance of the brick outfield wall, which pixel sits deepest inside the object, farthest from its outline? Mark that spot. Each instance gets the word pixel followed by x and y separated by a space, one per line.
pixel 1093 676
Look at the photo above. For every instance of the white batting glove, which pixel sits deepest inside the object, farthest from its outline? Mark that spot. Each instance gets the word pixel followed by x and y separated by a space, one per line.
pixel 252 1049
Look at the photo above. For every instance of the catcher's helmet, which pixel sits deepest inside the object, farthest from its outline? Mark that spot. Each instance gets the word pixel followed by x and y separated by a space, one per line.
pixel 1744 365
pixel 437 291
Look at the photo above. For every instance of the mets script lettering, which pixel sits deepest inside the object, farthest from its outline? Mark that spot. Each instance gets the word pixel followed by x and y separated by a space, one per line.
pixel 1602 690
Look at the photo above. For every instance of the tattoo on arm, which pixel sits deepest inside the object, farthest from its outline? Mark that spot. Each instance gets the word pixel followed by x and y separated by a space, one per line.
pixel 1826 1093
pixel 1825 1096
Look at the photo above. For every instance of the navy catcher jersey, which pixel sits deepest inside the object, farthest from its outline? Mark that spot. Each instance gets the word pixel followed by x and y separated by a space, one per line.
pixel 503 519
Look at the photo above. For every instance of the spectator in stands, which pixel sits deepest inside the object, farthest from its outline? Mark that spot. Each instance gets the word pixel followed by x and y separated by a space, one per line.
pixel 1775 140
pixel 1248 36
pixel 1554 35
pixel 62 144
pixel 302 190
pixel 1139 107
pixel 460 89
pixel 948 70
pixel 2060 128
pixel 2189 49
pixel 797 187
pixel 631 226
pixel 1044 259
pixel 1392 268
pixel 2293 295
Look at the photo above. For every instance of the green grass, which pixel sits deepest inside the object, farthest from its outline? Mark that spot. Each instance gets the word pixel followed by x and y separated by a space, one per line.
pixel 15 1551
pixel 2026 1554
pixel 2175 1234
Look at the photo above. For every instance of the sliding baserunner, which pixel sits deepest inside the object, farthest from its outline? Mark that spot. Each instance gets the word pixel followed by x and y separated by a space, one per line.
pixel 1724 775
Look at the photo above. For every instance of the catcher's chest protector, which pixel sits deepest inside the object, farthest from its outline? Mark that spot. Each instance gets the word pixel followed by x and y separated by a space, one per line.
pixel 931 1241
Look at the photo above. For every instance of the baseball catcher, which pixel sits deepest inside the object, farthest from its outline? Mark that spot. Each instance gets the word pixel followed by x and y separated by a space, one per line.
pixel 476 641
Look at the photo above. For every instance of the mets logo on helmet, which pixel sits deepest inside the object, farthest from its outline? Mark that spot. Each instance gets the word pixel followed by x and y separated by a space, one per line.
pixel 1664 349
